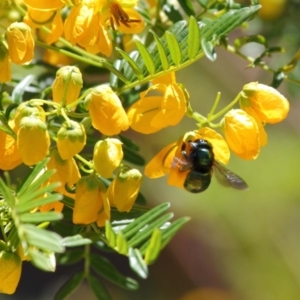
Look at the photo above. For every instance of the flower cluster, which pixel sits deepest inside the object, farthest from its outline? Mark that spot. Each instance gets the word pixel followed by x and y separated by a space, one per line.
pixel 243 130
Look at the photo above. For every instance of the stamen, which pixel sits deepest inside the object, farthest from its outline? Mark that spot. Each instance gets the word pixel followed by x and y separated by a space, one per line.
pixel 120 16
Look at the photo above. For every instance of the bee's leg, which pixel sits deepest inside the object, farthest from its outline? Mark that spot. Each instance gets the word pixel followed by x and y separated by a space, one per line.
pixel 183 152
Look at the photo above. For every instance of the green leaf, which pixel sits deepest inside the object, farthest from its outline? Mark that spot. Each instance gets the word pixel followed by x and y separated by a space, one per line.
pixel 38 217
pixel 161 51
pixel 33 177
pixel 174 48
pixel 69 286
pixel 208 49
pixel 130 61
pixel 75 241
pixel 129 143
pixel 34 192
pixel 203 3
pixel 110 235
pixel 42 260
pixel 6 193
pixel 41 238
pixel 137 263
pixel 22 208
pixel 104 268
pixel 211 33
pixel 98 289
pixel 193 38
pixel 143 220
pixel 70 257
pixel 145 233
pixel 170 231
pixel 133 157
pixel 154 247
pixel 19 90
pixel 172 12
pixel 146 57
pixel 187 7
pixel 121 244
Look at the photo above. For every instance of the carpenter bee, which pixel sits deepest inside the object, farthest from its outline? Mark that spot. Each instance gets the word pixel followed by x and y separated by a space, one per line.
pixel 201 162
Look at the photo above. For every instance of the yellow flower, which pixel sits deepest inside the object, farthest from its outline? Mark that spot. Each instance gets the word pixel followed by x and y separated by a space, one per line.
pixel 271 9
pixel 104 213
pixel 267 103
pixel 71 139
pixel 5 71
pixel 33 140
pixel 20 43
pixel 10 272
pixel 108 154
pixel 170 159
pixel 44 5
pixel 88 200
pixel 152 113
pixel 122 16
pixel 242 134
pixel 83 26
pixel 9 152
pixel 67 85
pixel 124 189
pixel 67 173
pixel 51 19
pixel 106 111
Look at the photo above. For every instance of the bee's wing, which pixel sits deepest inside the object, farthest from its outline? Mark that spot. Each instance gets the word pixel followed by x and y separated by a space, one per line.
pixel 228 178
pixel 183 165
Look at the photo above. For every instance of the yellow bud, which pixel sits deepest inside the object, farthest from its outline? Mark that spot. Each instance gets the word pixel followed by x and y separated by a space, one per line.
pixel 67 85
pixel 269 105
pixel 20 43
pixel 33 140
pixel 106 111
pixel 5 71
pixel 241 133
pixel 108 154
pixel 88 200
pixel 10 272
pixel 124 189
pixel 71 139
pixel 26 109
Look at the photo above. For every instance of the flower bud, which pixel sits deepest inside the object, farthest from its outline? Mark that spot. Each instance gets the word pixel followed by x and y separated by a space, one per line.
pixel 108 154
pixel 106 111
pixel 67 173
pixel 71 139
pixel 20 43
pixel 10 272
pixel 269 105
pixel 33 140
pixel 26 109
pixel 241 133
pixel 5 71
pixel 88 200
pixel 67 85
pixel 124 189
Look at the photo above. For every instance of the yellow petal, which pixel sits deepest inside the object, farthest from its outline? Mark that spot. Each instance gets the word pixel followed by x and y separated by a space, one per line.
pixel 135 25
pixel 44 5
pixel 220 147
pixel 160 164
pixel 106 111
pixel 241 133
pixel 10 272
pixel 269 105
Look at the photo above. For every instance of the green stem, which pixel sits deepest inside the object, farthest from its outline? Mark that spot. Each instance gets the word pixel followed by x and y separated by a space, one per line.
pixel 212 111
pixel 87 249
pixel 225 109
pixel 265 67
